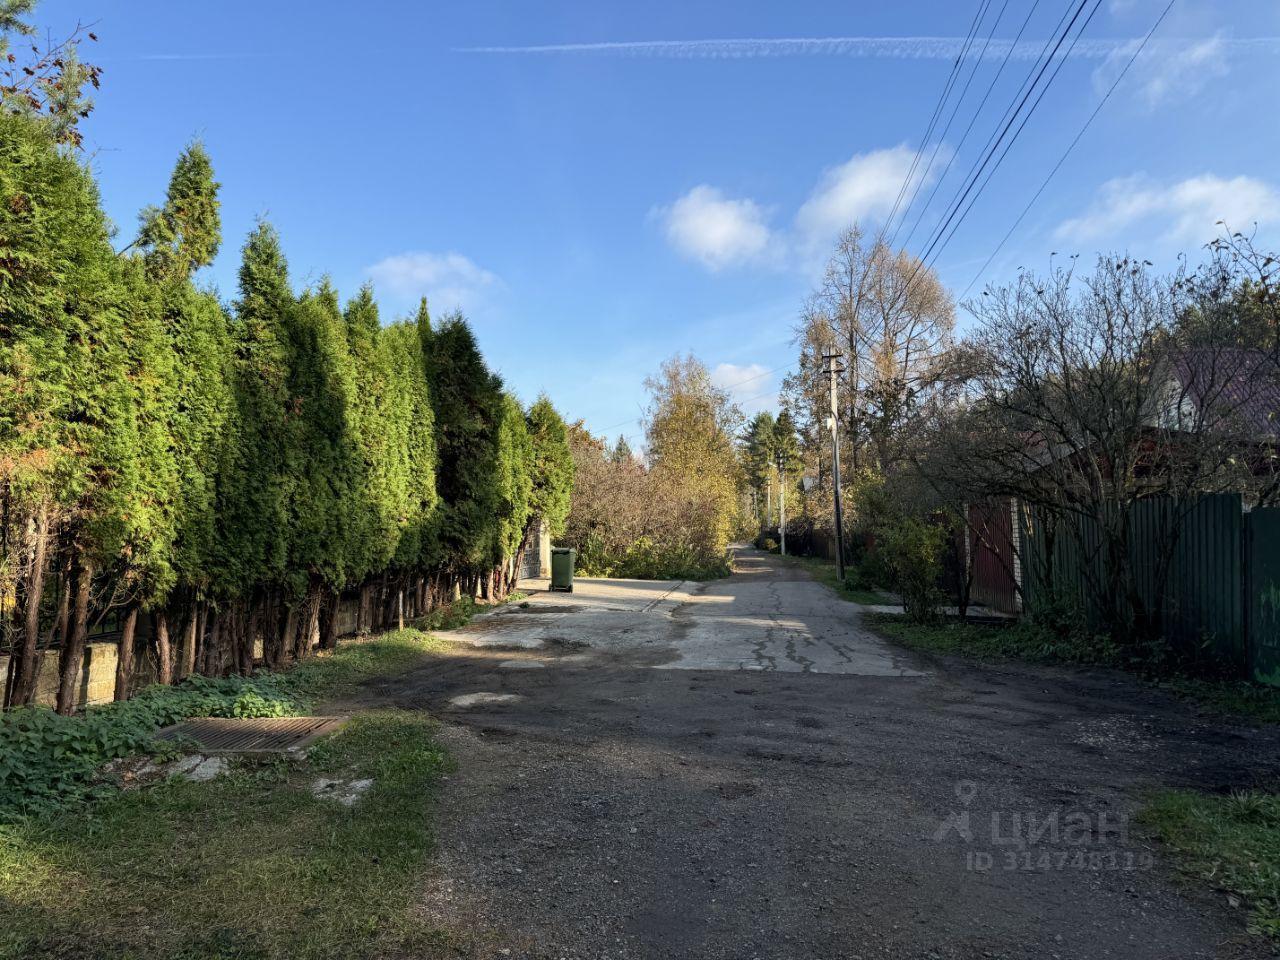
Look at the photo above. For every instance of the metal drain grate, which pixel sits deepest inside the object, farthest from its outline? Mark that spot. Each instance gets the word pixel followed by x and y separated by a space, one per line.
pixel 267 735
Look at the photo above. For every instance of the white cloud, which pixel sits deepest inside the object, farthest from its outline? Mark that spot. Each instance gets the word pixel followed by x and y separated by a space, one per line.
pixel 751 385
pixel 1164 74
pixel 1186 211
pixel 707 226
pixel 449 281
pixel 862 188
pixel 718 231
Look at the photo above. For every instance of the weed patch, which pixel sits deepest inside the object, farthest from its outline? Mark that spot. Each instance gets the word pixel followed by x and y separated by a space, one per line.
pixel 1233 842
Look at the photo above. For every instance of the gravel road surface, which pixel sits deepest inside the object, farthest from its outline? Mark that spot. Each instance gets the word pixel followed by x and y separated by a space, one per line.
pixel 740 769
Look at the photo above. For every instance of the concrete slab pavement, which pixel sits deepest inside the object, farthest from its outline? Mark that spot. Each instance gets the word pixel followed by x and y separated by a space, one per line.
pixel 762 619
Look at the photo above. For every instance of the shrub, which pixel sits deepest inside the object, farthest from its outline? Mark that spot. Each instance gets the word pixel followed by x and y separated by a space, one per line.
pixel 912 552
pixel 648 559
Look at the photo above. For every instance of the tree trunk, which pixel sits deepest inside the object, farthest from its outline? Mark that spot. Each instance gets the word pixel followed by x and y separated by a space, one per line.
pixel 329 620
pixel 250 615
pixel 164 649
pixel 58 632
pixel 124 654
pixel 193 635
pixel 270 620
pixel 364 610
pixel 287 633
pixel 71 656
pixel 309 628
pixel 211 635
pixel 23 664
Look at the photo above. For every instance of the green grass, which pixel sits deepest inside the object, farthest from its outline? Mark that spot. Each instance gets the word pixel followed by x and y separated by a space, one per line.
pixel 48 761
pixel 459 613
pixel 1015 641
pixel 1029 643
pixel 248 866
pixel 824 571
pixel 1232 842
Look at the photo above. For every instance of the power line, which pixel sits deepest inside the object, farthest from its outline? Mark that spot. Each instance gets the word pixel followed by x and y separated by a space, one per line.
pixel 933 119
pixel 1071 146
pixel 924 141
pixel 1011 115
pixel 958 210
pixel 972 120
pixel 964 92
pixel 1016 134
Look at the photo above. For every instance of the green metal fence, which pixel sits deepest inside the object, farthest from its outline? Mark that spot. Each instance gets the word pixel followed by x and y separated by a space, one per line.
pixel 1262 594
pixel 1221 593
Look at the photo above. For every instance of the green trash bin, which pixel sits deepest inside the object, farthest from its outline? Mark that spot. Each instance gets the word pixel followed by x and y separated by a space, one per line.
pixel 562 560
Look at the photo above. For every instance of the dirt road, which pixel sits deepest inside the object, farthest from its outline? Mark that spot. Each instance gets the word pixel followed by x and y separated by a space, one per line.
pixel 739 769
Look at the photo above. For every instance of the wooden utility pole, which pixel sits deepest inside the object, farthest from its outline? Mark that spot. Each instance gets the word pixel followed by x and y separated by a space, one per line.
pixel 833 372
pixel 782 508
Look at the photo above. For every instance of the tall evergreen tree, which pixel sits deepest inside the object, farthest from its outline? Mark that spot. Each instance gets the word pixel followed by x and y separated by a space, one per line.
pixel 416 547
pixel 256 487
pixel 232 472
pixel 515 479
pixel 467 400
pixel 187 399
pixel 375 516
pixel 321 447
pixel 62 372
pixel 184 235
pixel 552 469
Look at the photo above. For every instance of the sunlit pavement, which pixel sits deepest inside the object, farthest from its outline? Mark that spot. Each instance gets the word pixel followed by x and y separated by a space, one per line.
pixel 764 618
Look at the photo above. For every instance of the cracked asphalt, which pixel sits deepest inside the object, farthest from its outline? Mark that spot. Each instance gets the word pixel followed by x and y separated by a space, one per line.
pixel 741 769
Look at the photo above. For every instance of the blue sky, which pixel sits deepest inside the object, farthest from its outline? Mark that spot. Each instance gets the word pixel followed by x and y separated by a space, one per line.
pixel 600 185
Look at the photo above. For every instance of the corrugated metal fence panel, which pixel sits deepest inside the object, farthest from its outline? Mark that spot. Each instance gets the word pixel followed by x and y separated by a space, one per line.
pixel 1262 597
pixel 1204 605
pixel 1061 554
pixel 992 556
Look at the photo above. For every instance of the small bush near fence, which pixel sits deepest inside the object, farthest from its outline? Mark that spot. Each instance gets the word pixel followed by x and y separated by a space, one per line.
pixel 912 552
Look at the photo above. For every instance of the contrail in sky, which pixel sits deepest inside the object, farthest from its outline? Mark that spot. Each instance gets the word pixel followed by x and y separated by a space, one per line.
pixel 888 48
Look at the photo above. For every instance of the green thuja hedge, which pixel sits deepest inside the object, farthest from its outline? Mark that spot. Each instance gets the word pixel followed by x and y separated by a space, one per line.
pixel 215 475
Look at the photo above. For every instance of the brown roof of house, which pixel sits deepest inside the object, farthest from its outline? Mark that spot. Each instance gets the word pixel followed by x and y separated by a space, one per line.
pixel 1242 386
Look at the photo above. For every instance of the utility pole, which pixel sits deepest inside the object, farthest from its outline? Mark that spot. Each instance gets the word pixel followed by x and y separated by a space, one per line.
pixel 833 372
pixel 782 508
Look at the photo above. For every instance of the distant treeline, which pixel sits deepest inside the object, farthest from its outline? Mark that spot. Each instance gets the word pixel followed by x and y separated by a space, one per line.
pixel 228 470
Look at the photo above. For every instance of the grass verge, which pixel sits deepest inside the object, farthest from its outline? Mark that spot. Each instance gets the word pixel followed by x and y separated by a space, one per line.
pixel 1028 643
pixel 48 761
pixel 249 866
pixel 824 571
pixel 1232 842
